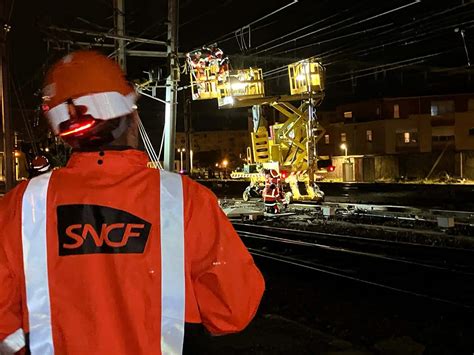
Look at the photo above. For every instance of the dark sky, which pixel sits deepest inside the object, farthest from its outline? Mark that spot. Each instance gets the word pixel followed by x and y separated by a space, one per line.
pixel 411 51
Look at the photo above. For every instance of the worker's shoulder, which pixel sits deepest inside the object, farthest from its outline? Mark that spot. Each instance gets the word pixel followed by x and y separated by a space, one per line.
pixel 15 193
pixel 11 201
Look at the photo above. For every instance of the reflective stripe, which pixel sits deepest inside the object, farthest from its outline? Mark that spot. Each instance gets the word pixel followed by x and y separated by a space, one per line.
pixel 172 263
pixel 103 105
pixel 13 343
pixel 35 261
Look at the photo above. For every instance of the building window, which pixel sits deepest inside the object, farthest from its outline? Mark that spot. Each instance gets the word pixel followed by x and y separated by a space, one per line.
pixel 343 137
pixel 326 138
pixel 396 111
pixel 369 135
pixel 348 114
pixel 406 137
pixel 441 107
pixel 471 131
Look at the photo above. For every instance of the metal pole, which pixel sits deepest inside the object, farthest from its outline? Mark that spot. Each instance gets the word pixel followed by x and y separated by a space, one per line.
pixel 5 101
pixel 171 85
pixel 460 164
pixel 119 17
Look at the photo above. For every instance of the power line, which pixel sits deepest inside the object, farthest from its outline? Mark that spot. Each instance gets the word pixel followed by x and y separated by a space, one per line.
pixel 299 30
pixel 232 33
pixel 342 49
pixel 345 50
pixel 340 28
pixel 336 38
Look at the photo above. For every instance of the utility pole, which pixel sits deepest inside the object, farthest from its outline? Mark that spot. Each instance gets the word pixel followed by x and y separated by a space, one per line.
pixel 5 97
pixel 171 86
pixel 187 129
pixel 119 19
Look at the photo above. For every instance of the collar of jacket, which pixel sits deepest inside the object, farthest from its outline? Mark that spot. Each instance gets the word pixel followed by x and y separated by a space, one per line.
pixel 108 159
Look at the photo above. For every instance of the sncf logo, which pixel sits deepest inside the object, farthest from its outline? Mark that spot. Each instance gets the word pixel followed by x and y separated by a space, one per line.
pixel 93 229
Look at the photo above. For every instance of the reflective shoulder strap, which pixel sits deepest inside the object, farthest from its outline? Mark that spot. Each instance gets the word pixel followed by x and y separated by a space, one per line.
pixel 172 263
pixel 35 261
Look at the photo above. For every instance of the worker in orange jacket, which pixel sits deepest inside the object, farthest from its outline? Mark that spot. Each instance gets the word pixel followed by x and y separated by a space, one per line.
pixel 106 255
pixel 271 193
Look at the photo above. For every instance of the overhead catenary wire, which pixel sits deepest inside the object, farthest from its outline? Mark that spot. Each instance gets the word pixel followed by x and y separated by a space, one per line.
pixel 29 130
pixel 232 33
pixel 148 146
pixel 381 66
pixel 336 38
pixel 412 24
pixel 346 49
pixel 340 28
pixel 324 56
pixel 299 30
pixel 352 77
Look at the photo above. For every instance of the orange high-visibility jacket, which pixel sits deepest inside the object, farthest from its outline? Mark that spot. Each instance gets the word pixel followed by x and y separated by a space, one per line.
pixel 107 256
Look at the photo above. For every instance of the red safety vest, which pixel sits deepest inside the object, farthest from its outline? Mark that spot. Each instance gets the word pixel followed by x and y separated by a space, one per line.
pixel 107 256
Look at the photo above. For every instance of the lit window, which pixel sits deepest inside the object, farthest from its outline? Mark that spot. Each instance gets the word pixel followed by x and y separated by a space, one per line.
pixel 396 111
pixel 348 114
pixel 406 137
pixel 343 137
pixel 326 138
pixel 369 135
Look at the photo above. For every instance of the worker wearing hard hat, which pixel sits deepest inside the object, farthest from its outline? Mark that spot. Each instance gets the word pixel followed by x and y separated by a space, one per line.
pixel 107 256
pixel 271 192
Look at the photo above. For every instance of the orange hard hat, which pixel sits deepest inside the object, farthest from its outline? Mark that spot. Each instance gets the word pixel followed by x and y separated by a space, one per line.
pixel 86 88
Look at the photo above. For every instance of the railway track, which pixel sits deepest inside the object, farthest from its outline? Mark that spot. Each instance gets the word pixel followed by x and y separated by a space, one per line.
pixel 438 274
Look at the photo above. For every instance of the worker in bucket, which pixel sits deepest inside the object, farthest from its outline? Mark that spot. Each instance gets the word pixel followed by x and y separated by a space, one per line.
pixel 105 255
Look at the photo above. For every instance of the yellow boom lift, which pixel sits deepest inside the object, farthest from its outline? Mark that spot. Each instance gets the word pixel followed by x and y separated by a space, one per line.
pixel 288 147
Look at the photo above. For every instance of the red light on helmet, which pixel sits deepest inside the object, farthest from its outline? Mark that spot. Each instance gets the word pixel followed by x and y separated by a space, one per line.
pixel 331 168
pixel 44 108
pixel 77 128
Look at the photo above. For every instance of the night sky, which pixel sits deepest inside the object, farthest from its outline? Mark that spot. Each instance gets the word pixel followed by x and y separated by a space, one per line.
pixel 370 48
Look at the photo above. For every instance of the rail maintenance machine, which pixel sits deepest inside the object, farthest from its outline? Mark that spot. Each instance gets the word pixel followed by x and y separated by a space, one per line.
pixel 288 147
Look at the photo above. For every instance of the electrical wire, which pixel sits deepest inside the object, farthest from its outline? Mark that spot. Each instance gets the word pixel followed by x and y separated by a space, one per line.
pixel 299 30
pixel 336 38
pixel 388 64
pixel 344 49
pixel 272 72
pixel 10 13
pixel 231 33
pixel 340 28
pixel 148 146
pixel 29 130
